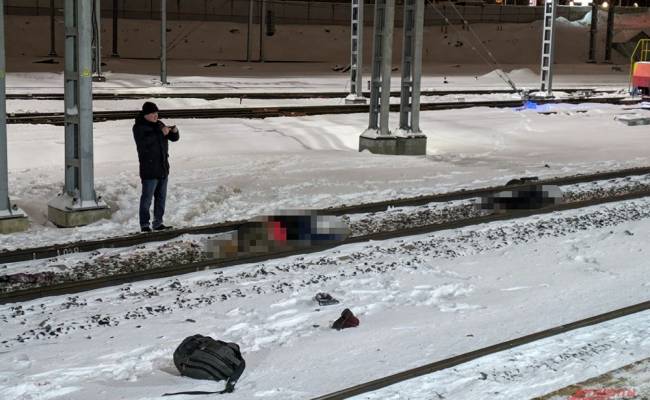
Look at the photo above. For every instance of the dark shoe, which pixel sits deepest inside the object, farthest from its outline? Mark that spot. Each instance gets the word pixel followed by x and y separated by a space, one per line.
pixel 325 299
pixel 162 227
pixel 145 229
pixel 346 320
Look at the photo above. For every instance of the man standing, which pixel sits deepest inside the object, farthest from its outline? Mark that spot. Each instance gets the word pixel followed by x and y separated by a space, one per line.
pixel 151 137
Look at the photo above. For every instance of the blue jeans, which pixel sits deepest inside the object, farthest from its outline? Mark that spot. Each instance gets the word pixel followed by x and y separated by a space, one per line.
pixel 156 188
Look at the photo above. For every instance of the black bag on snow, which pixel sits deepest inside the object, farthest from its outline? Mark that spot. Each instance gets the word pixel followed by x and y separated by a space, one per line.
pixel 202 357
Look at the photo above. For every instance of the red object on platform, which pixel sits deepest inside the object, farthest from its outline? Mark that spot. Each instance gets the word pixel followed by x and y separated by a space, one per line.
pixel 641 75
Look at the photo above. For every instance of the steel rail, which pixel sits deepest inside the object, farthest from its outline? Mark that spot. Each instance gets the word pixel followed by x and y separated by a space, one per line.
pixel 284 111
pixel 274 95
pixel 55 250
pixel 96 283
pixel 475 354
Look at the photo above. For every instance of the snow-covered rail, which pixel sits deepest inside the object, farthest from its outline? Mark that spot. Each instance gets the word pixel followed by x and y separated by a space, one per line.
pixel 278 95
pixel 289 111
pixel 182 265
pixel 61 249
pixel 472 355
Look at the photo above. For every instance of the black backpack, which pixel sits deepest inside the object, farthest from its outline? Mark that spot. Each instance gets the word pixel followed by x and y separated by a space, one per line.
pixel 202 357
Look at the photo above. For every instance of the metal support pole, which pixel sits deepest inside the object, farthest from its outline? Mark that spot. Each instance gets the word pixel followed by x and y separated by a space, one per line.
pixel 381 67
pixel 12 219
pixel 5 205
pixel 78 96
pixel 250 27
pixel 356 54
pixel 593 31
pixel 78 204
pixel 548 46
pixel 97 42
pixel 262 12
pixel 115 11
pixel 409 121
pixel 610 33
pixel 52 31
pixel 163 42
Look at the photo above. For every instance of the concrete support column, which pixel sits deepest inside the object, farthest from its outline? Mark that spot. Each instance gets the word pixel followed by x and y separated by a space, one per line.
pixel 78 204
pixel 356 55
pixel 12 219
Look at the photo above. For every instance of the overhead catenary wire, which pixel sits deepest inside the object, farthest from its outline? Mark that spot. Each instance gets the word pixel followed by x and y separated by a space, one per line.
pixel 498 70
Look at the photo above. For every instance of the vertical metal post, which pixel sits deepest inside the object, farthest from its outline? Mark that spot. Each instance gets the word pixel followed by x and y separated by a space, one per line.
pixel 78 204
pixel 548 45
pixel 610 32
pixel 163 42
pixel 381 66
pixel 250 27
pixel 79 177
pixel 12 219
pixel 97 40
pixel 115 12
pixel 409 121
pixel 4 179
pixel 52 31
pixel 593 31
pixel 262 19
pixel 356 53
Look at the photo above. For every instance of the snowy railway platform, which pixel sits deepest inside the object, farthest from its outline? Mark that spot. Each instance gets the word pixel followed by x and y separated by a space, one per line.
pixel 434 301
pixel 419 298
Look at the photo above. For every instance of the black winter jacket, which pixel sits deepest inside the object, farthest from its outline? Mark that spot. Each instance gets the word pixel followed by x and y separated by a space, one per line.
pixel 152 147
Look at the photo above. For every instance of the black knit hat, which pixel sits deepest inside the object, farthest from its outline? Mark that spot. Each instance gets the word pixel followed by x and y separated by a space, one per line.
pixel 149 107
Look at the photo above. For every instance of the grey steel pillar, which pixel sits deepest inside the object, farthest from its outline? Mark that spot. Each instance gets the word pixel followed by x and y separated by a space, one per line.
pixel 52 31
pixel 115 12
pixel 12 219
pixel 78 204
pixel 163 42
pixel 409 115
pixel 548 47
pixel 250 27
pixel 610 32
pixel 4 180
pixel 381 67
pixel 593 31
pixel 356 54
pixel 262 19
pixel 97 41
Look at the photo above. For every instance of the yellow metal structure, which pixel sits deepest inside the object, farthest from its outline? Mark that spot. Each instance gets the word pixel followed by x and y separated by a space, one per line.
pixel 641 53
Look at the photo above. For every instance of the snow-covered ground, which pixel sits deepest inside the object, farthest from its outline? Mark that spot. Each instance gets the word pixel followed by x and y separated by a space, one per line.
pixel 230 169
pixel 419 299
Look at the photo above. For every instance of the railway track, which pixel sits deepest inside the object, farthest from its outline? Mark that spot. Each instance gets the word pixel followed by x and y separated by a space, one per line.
pixel 100 282
pixel 292 111
pixel 55 250
pixel 472 355
pixel 272 95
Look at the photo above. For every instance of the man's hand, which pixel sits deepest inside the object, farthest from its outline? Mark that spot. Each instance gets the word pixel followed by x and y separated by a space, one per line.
pixel 165 130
